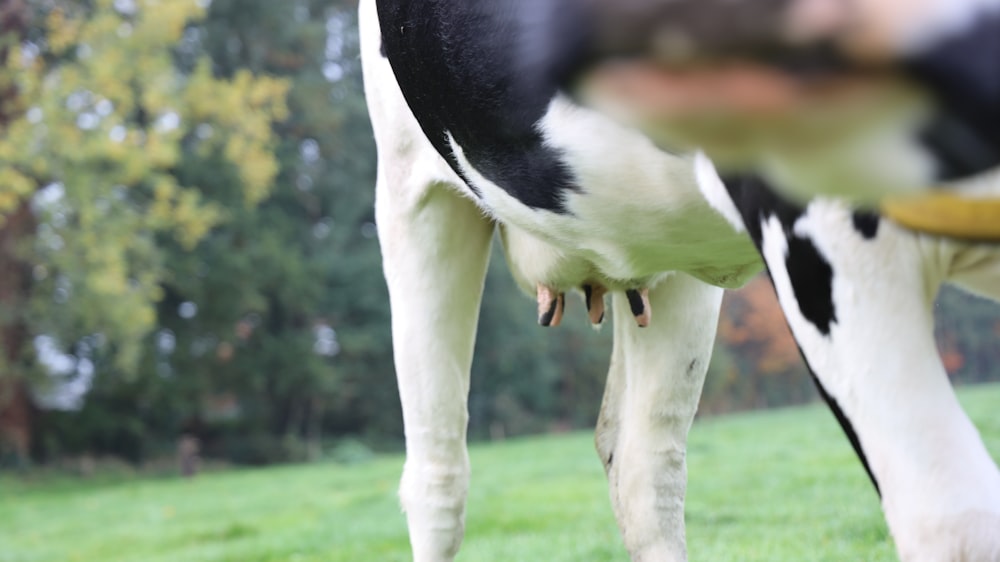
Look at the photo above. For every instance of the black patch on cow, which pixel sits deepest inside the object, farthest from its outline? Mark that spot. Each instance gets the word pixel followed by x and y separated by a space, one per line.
pixel 845 424
pixel 809 272
pixel 635 302
pixel 588 292
pixel 812 281
pixel 756 201
pixel 963 72
pixel 454 62
pixel 866 223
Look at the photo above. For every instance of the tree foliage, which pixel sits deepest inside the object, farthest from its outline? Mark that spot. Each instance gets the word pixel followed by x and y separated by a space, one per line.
pixel 106 119
pixel 757 362
pixel 189 247
pixel 102 118
pixel 266 323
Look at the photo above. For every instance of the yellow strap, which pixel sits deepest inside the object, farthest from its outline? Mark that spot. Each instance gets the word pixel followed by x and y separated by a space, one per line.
pixel 946 214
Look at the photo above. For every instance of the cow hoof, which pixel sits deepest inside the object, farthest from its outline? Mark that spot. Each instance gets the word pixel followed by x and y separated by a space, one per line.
pixel 638 301
pixel 550 306
pixel 594 296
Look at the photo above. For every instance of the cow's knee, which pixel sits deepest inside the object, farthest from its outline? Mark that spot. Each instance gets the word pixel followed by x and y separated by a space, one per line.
pixel 433 492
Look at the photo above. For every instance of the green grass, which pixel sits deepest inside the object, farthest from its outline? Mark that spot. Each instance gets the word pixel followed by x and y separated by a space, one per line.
pixel 766 486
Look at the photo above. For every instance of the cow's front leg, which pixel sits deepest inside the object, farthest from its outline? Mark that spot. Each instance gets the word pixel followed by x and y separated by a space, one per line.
pixel 652 394
pixel 858 294
pixel 435 247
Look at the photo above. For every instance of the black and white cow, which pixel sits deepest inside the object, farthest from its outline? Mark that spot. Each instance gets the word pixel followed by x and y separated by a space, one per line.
pixel 470 140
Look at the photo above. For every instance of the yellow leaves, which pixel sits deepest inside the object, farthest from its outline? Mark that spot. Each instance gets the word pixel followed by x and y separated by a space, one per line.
pixel 62 32
pixel 159 93
pixel 227 102
pixel 270 93
pixel 164 21
pixel 164 190
pixel 131 167
pixel 15 185
pixel 182 211
pixel 161 153
pixel 106 73
pixel 200 94
pixel 192 218
pixel 258 170
pixel 244 107
pixel 88 107
pixel 109 277
pixel 8 202
pixel 110 120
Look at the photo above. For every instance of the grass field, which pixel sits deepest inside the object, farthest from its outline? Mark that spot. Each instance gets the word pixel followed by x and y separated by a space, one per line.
pixel 768 486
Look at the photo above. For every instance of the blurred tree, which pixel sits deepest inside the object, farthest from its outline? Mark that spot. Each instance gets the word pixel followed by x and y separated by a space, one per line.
pixel 758 363
pixel 754 321
pixel 968 330
pixel 272 325
pixel 325 337
pixel 100 122
pixel 15 403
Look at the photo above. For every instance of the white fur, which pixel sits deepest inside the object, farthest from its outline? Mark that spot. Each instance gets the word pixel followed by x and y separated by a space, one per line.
pixel 715 192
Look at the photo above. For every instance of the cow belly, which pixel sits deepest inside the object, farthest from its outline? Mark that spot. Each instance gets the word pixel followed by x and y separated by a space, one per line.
pixel 636 212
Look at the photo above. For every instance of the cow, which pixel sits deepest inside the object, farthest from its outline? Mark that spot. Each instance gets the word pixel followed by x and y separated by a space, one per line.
pixel 470 142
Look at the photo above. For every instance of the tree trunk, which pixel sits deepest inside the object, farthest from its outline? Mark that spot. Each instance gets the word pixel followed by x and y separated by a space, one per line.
pixel 15 418
pixel 16 405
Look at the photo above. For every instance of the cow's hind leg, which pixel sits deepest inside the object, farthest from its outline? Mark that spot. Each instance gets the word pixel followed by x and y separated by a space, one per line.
pixel 652 393
pixel 435 248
